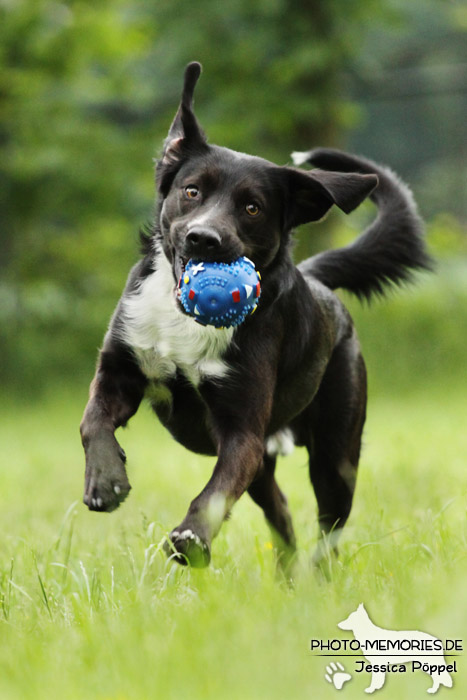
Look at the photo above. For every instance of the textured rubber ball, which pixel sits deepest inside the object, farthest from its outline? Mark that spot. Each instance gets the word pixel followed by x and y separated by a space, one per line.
pixel 220 294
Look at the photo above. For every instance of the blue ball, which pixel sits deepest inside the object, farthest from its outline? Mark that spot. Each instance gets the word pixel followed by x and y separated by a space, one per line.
pixel 220 294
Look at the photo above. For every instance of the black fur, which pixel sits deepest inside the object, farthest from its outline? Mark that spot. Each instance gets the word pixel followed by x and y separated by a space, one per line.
pixel 294 365
pixel 369 265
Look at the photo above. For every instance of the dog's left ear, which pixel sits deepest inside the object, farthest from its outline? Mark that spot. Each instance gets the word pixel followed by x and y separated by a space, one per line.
pixel 313 193
pixel 185 132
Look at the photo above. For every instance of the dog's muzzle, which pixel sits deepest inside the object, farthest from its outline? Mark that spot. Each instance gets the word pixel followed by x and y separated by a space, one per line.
pixel 202 243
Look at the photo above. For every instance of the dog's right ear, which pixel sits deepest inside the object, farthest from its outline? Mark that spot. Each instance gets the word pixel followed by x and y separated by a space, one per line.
pixel 185 134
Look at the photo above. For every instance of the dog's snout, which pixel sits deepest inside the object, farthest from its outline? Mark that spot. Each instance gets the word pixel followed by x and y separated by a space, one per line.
pixel 202 242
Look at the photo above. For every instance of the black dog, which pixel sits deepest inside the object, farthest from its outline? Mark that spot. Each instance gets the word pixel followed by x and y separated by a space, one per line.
pixel 292 373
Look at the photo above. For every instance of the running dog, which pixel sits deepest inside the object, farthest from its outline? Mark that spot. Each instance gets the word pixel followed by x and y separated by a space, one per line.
pixel 292 373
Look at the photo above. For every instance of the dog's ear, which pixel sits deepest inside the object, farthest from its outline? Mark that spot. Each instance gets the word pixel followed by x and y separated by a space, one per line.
pixel 313 193
pixel 185 132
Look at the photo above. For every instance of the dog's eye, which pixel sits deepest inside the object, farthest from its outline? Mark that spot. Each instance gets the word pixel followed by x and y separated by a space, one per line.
pixel 252 209
pixel 191 191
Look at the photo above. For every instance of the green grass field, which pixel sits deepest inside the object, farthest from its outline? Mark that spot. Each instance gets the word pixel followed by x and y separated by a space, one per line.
pixel 91 608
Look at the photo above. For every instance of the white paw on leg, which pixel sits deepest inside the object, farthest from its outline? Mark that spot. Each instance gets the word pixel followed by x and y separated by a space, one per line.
pixel 337 675
pixel 191 548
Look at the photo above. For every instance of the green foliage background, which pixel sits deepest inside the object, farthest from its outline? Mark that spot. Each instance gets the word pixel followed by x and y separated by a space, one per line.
pixel 87 91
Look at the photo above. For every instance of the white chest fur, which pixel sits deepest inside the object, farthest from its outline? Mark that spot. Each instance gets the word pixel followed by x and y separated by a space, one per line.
pixel 163 338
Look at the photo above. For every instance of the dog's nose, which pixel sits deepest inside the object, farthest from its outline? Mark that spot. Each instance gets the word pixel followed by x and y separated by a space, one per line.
pixel 202 243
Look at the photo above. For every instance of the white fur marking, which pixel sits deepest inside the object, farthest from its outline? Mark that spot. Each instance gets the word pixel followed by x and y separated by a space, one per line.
pixel 326 544
pixel 348 472
pixel 188 535
pixel 216 510
pixel 300 157
pixel 281 443
pixel 163 338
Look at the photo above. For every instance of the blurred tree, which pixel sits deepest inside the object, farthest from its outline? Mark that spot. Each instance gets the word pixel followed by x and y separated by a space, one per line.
pixel 87 91
pixel 71 176
pixel 411 79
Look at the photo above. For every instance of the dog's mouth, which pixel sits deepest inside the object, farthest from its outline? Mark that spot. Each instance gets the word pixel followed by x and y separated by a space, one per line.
pixel 178 271
pixel 179 267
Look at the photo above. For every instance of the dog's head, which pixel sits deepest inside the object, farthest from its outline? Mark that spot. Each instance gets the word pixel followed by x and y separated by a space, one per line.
pixel 217 204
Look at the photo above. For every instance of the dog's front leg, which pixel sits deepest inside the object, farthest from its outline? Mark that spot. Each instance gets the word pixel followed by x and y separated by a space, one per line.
pixel 239 409
pixel 240 458
pixel 115 394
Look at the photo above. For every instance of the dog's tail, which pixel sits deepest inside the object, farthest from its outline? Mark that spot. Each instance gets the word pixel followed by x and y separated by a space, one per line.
pixel 391 248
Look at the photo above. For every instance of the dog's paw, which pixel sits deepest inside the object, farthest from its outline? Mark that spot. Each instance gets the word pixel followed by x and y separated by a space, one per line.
pixel 187 547
pixel 106 483
pixel 105 490
pixel 105 493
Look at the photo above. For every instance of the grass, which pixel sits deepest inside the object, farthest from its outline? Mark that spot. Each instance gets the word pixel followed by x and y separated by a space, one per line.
pixel 90 607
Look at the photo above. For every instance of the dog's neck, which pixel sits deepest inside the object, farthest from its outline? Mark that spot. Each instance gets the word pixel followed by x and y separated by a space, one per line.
pixel 163 338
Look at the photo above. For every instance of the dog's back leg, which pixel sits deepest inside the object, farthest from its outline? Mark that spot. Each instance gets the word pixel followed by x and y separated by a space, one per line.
pixel 333 427
pixel 266 493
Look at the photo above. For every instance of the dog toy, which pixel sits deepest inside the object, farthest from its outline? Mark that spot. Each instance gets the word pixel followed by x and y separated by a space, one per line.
pixel 219 294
